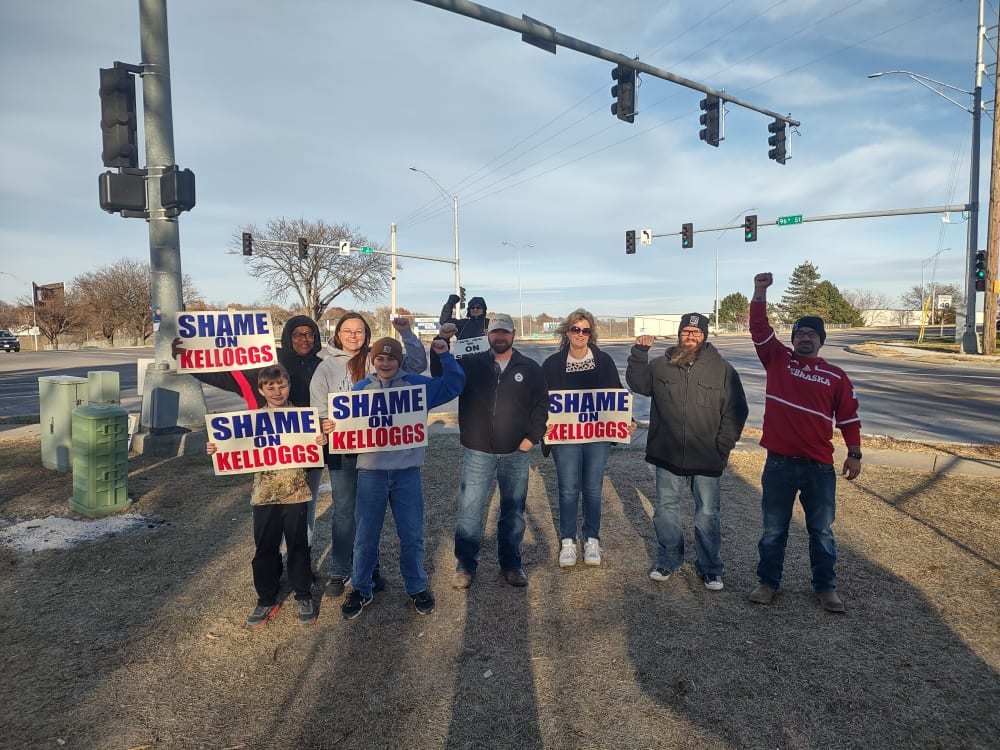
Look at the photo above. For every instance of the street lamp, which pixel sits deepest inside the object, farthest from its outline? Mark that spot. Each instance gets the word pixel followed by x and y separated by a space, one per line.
pixel 454 203
pixel 717 242
pixel 970 342
pixel 520 295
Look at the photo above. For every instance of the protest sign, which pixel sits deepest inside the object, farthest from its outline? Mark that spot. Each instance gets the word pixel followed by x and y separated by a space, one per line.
pixel 387 419
pixel 217 341
pixel 589 416
pixel 464 347
pixel 264 440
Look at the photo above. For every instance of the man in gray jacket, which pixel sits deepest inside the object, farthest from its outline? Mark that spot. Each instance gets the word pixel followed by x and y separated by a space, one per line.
pixel 696 416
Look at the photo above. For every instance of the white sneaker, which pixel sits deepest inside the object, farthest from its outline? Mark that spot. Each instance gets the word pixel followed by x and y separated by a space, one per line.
pixel 592 552
pixel 567 555
pixel 713 583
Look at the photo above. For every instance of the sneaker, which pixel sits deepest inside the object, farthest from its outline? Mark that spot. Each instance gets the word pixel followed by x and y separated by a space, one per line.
pixel 335 586
pixel 713 583
pixel 660 574
pixel 262 615
pixel 378 582
pixel 354 603
pixel 763 594
pixel 592 551
pixel 567 555
pixel 423 602
pixel 306 610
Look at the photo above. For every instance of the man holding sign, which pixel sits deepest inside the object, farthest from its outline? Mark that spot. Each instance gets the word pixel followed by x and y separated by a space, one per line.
pixel 278 444
pixel 384 421
pixel 469 332
pixel 696 416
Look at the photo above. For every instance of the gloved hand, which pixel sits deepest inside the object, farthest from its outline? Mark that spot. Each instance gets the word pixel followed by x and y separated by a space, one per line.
pixel 453 299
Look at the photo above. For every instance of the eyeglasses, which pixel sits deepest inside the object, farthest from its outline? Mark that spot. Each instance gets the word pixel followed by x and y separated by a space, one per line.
pixel 578 330
pixel 309 335
pixel 692 334
pixel 352 333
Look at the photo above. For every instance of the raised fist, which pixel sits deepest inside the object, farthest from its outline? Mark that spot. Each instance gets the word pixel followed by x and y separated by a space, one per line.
pixel 401 324
pixel 645 341
pixel 176 346
pixel 453 299
pixel 448 330
pixel 439 346
pixel 763 280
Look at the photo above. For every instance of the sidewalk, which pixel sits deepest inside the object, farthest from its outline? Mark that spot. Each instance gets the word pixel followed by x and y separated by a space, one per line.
pixel 914 354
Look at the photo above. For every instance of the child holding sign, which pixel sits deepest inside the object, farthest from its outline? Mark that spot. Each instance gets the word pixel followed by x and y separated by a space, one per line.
pixel 391 475
pixel 280 500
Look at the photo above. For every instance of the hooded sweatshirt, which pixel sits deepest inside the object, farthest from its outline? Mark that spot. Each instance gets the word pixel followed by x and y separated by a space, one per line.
pixel 468 327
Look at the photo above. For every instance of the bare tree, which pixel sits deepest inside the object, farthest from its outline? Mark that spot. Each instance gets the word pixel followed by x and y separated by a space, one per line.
pixel 60 313
pixel 867 301
pixel 324 274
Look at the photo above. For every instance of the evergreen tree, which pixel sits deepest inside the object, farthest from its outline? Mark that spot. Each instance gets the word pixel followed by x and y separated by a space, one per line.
pixel 734 311
pixel 833 308
pixel 800 297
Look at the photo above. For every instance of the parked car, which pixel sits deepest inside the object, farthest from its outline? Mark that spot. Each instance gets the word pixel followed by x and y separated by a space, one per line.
pixel 9 342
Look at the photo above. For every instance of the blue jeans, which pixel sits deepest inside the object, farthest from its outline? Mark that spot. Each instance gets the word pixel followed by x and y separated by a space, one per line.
pixel 478 472
pixel 401 489
pixel 816 485
pixel 667 522
pixel 580 469
pixel 343 486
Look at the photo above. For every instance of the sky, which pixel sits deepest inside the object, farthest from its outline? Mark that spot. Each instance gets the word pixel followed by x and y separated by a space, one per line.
pixel 318 109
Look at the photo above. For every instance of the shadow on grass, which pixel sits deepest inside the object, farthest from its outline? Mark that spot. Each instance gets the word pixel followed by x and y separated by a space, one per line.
pixel 890 673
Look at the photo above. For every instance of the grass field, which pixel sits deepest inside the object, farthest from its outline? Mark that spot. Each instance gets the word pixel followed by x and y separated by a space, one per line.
pixel 137 641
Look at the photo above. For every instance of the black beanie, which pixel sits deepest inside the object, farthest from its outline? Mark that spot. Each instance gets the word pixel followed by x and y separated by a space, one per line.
pixel 811 321
pixel 694 319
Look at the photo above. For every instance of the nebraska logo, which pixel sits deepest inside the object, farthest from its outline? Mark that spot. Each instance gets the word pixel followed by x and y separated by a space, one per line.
pixel 810 376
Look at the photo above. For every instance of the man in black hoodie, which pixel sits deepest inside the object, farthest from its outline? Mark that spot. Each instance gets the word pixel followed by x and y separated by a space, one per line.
pixel 696 416
pixel 471 327
pixel 501 415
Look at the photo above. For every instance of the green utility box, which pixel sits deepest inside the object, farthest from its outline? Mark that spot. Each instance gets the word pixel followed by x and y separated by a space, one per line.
pixel 58 396
pixel 100 459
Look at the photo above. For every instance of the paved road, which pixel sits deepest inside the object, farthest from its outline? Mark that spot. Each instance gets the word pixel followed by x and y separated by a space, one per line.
pixel 908 400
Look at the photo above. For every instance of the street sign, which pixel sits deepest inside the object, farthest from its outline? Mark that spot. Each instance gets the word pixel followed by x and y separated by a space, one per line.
pixel 365 250
pixel 944 302
pixel 345 247
pixel 646 236
pixel 784 221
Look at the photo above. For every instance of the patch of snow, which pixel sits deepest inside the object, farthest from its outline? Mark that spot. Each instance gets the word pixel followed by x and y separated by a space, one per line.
pixel 56 532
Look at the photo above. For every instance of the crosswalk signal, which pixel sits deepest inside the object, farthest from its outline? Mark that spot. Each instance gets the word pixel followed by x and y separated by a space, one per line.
pixel 777 141
pixel 461 297
pixel 303 248
pixel 979 272
pixel 623 93
pixel 630 242
pixel 711 120
pixel 247 243
pixel 687 236
pixel 118 119
pixel 750 228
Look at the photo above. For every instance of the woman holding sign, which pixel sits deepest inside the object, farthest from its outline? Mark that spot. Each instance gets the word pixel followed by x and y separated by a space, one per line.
pixel 580 365
pixel 345 363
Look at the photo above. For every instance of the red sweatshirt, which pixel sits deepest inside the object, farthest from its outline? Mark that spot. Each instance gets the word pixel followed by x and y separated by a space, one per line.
pixel 806 397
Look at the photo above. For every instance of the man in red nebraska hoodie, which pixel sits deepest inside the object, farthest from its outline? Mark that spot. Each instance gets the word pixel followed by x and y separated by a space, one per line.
pixel 806 398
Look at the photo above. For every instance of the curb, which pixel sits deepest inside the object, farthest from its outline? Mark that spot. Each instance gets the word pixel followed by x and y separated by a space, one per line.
pixel 981 361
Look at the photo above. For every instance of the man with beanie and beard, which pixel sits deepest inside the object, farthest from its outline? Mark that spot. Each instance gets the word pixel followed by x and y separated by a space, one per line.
pixel 471 327
pixel 697 412
pixel 806 397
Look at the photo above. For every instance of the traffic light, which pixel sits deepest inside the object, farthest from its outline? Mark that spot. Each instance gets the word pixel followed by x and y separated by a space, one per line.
pixel 750 228
pixel 687 236
pixel 776 141
pixel 303 248
pixel 118 119
pixel 711 120
pixel 979 273
pixel 461 296
pixel 623 93
pixel 630 242
pixel 247 243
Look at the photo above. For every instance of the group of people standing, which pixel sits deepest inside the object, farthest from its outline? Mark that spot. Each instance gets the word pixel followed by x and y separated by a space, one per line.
pixel 697 413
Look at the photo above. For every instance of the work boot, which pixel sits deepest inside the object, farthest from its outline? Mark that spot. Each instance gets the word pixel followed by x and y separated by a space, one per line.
pixel 462 579
pixel 763 594
pixel 830 601
pixel 516 577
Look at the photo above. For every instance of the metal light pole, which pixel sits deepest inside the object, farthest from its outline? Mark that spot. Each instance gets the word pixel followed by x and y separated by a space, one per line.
pixel 454 203
pixel 970 342
pixel 718 241
pixel 520 294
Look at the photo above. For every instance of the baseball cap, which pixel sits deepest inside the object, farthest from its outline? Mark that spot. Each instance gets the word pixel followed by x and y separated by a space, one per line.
pixel 501 322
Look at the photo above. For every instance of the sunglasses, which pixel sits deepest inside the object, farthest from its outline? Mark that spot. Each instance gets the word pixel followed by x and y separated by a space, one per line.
pixel 578 330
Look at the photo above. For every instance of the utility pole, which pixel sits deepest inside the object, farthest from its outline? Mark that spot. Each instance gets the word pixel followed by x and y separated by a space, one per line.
pixel 392 276
pixel 993 231
pixel 970 342
pixel 180 401
pixel 458 275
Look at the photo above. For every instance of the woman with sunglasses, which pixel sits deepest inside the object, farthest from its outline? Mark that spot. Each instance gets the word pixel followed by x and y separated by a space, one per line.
pixel 580 365
pixel 345 363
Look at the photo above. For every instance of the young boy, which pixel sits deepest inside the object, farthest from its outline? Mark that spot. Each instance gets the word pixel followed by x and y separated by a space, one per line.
pixel 393 477
pixel 280 501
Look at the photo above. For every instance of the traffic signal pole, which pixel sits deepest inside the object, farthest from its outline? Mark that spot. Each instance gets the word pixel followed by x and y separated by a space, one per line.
pixel 970 342
pixel 180 401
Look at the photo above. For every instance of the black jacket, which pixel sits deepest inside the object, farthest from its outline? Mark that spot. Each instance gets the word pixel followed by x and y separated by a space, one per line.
pixel 468 328
pixel 696 414
pixel 497 411
pixel 604 374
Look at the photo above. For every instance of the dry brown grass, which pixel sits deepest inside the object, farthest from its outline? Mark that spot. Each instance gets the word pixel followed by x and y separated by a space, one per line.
pixel 138 640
